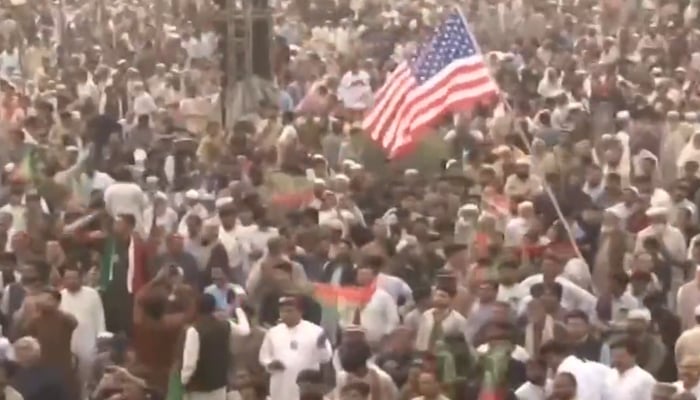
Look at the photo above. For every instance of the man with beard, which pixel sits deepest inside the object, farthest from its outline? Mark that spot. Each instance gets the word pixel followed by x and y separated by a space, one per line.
pixel 651 350
pixel 282 285
pixel 203 243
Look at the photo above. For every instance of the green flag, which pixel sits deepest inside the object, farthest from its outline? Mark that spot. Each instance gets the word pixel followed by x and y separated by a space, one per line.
pixel 109 257
pixel 175 389
pixel 28 169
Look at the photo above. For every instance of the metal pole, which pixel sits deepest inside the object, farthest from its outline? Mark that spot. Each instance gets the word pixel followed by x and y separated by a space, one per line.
pixel 229 73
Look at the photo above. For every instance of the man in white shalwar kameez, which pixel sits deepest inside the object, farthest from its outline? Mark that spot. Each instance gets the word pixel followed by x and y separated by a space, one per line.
pixel 85 304
pixel 591 377
pixel 628 380
pixel 290 347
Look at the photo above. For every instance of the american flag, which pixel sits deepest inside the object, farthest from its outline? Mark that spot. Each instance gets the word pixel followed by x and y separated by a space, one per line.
pixel 446 74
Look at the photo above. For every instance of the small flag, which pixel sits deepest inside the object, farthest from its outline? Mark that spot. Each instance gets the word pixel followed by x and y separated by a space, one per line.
pixel 343 299
pixel 495 367
pixel 28 169
pixel 446 74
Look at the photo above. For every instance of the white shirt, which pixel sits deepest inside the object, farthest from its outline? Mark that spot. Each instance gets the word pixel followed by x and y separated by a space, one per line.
pixel 296 348
pixel 190 354
pixel 125 198
pixel 288 135
pixel 88 90
pixel 591 378
pixel 236 252
pixel 453 323
pixel 144 104
pixel 633 384
pixel 379 317
pixel 530 391
pixel 254 238
pixel 86 306
pixel 518 353
pixel 355 91
pixel 573 297
pixel 395 286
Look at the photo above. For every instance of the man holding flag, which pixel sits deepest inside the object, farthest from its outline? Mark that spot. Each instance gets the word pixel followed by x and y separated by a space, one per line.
pixel 123 272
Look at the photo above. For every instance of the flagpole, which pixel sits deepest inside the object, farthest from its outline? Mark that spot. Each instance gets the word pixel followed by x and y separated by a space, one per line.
pixel 508 109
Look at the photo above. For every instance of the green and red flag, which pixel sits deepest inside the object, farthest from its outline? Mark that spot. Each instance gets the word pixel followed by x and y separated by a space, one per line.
pixel 494 364
pixel 343 300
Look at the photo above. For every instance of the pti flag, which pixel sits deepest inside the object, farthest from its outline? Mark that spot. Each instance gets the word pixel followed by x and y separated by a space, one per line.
pixel 447 74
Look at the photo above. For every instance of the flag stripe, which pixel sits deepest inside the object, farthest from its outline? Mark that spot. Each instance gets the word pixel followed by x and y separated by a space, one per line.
pixel 447 74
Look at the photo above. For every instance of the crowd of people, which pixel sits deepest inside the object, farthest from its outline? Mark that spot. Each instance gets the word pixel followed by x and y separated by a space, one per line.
pixel 549 250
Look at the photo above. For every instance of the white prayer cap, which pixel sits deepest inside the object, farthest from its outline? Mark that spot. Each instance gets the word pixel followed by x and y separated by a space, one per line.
pixel 450 163
pixel 105 335
pixel 656 211
pixel 348 163
pixel 469 207
pixel 673 114
pixel 151 179
pixel 450 135
pixel 208 196
pixel 690 116
pixel 640 313
pixel 9 167
pixel 477 134
pixel 356 167
pixel 161 196
pixel 318 157
pixel 319 181
pixel 223 201
pixel 622 115
pixel 679 69
pixel 72 149
pixel 140 155
pixel 632 189
pixel 411 171
pixel 342 177
pixel 192 194
pixel 406 241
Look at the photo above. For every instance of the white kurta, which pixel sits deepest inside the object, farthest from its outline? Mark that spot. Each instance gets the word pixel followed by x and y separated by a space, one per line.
pixel 296 348
pixel 633 384
pixel 86 306
pixel 592 378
